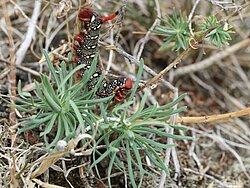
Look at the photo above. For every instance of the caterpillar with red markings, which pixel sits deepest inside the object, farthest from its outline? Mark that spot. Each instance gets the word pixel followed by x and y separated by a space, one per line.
pixel 85 50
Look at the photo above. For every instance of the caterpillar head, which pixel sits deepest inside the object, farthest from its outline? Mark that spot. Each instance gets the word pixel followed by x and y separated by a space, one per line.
pixel 117 87
pixel 128 84
pixel 87 15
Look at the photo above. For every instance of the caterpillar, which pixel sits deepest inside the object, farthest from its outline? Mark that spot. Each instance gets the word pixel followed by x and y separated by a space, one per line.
pixel 85 47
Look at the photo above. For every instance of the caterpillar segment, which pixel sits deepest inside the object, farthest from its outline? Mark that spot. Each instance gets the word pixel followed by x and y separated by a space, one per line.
pixel 85 47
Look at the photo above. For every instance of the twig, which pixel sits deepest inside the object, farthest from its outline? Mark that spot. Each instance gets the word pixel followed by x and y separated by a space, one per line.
pixel 12 74
pixel 30 33
pixel 209 177
pixel 240 71
pixel 223 5
pixel 122 13
pixel 213 118
pixel 211 60
pixel 177 165
pixel 137 62
pixel 236 136
pixel 57 53
pixel 176 61
pixel 233 100
pixel 25 16
pixel 144 40
pixel 233 152
pixel 31 71
pixel 169 151
pixel 193 153
pixel 191 15
pixel 58 28
pixel 220 140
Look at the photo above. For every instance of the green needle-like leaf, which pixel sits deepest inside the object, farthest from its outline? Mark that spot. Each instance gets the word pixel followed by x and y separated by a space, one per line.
pixel 50 125
pixel 52 69
pixel 78 115
pixel 111 163
pixel 130 168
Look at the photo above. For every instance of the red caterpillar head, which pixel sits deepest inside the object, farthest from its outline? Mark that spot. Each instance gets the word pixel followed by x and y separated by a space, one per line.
pixel 128 84
pixel 88 15
pixel 120 94
pixel 117 87
pixel 85 15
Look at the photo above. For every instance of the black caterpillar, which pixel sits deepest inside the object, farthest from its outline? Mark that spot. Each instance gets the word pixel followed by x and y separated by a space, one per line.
pixel 86 48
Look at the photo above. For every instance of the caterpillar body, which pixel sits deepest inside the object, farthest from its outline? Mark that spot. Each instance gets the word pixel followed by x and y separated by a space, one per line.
pixel 86 48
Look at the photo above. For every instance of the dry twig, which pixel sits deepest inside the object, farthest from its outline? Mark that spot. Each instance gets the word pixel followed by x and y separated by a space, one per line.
pixel 214 118
pixel 159 76
pixel 212 59
pixel 20 54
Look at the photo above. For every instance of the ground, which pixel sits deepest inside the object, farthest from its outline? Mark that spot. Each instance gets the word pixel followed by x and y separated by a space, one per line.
pixel 216 81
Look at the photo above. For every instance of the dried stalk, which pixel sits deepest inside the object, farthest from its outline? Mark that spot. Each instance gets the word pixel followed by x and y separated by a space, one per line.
pixel 213 118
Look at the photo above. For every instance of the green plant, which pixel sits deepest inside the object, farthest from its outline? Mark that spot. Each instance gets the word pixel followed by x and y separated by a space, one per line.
pixel 176 31
pixel 69 106
pixel 131 132
pixel 177 35
pixel 220 35
pixel 60 103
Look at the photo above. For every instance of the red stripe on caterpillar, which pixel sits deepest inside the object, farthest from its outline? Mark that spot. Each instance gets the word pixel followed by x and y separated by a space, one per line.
pixel 86 48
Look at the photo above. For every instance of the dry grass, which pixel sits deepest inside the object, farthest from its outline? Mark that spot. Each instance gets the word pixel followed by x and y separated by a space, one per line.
pixel 217 82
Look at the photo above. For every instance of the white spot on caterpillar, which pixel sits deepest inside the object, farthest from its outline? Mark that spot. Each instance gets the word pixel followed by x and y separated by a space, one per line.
pixel 95 75
pixel 92 19
pixel 92 38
